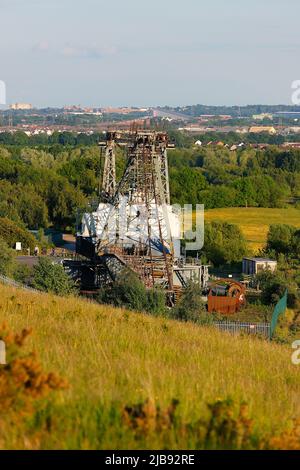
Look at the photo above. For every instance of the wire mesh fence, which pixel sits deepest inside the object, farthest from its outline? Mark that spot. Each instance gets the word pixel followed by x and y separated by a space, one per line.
pixel 265 330
pixel 258 329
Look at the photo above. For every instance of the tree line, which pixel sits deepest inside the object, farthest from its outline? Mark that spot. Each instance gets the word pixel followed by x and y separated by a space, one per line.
pixel 44 185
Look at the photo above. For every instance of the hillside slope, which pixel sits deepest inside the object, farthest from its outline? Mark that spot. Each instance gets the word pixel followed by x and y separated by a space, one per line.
pixel 113 358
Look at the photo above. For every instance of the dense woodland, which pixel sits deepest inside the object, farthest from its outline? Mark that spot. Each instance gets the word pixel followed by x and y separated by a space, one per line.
pixel 43 185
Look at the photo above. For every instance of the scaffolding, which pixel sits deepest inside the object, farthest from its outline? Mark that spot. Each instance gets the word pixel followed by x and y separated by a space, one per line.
pixel 134 225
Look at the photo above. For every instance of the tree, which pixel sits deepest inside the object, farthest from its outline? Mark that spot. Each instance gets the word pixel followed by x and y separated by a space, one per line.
pixel 296 244
pixel 63 201
pixel 51 277
pixel 224 243
pixel 7 259
pixel 128 291
pixel 156 301
pixel 273 287
pixel 186 185
pixel 190 307
pixel 280 238
pixel 22 273
pixel 22 204
pixel 12 233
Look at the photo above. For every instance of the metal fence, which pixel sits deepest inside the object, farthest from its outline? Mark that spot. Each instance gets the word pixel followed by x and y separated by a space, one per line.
pixel 259 329
pixel 265 330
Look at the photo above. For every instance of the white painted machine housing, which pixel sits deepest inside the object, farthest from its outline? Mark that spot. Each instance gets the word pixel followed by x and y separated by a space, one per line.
pixel 128 225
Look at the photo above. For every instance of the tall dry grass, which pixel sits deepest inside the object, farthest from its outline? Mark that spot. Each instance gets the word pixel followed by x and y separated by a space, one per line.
pixel 112 358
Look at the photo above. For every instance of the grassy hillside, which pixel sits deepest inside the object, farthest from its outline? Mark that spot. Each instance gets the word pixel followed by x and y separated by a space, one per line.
pixel 113 358
pixel 255 222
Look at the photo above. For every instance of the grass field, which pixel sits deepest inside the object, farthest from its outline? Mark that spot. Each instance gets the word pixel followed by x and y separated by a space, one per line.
pixel 255 222
pixel 113 358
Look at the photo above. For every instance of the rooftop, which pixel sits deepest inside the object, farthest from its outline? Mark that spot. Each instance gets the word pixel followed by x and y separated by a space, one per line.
pixel 261 259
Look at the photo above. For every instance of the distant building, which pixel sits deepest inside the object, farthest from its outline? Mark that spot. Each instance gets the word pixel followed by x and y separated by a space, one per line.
pixel 198 143
pixel 294 145
pixel 236 146
pixel 293 130
pixel 194 128
pixel 262 116
pixel 252 266
pixel 123 110
pixel 20 106
pixel 260 129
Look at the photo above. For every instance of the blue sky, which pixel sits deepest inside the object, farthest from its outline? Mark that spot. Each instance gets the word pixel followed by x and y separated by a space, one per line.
pixel 130 52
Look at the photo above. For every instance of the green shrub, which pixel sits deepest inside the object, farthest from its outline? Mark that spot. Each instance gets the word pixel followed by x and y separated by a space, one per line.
pixel 7 259
pixel 224 243
pixel 22 273
pixel 156 302
pixel 273 287
pixel 128 291
pixel 12 233
pixel 191 306
pixel 51 277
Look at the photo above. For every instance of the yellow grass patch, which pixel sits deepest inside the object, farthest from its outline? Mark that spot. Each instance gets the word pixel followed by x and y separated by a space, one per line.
pixel 255 222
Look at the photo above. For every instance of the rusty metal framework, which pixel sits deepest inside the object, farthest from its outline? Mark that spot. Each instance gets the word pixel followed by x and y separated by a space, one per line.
pixel 149 250
pixel 145 182
pixel 109 170
pixel 146 176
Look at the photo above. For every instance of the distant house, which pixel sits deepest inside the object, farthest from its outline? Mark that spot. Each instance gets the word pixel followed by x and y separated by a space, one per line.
pixel 22 106
pixel 236 147
pixel 198 143
pixel 260 129
pixel 252 266
pixel 262 116
pixel 295 145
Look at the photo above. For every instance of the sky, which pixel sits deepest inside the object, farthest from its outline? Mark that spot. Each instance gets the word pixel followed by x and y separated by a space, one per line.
pixel 149 53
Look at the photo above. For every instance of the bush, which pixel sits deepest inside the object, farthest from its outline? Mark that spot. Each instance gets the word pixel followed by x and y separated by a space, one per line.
pixel 156 302
pixel 12 233
pixel 126 291
pixel 22 273
pixel 51 277
pixel 273 287
pixel 7 259
pixel 129 291
pixel 280 238
pixel 191 307
pixel 224 243
pixel 24 385
pixel 284 240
